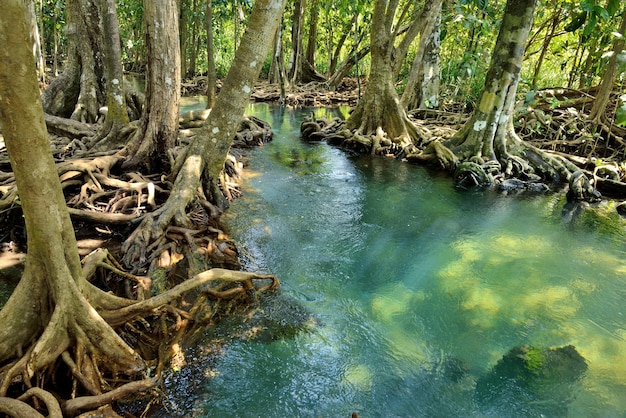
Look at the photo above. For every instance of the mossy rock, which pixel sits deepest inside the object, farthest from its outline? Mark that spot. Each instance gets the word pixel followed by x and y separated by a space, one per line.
pixel 543 379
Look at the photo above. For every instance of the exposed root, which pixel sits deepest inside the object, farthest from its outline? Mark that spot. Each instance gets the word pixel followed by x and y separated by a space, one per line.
pixel 553 139
pixel 336 133
pixel 125 326
pixel 74 406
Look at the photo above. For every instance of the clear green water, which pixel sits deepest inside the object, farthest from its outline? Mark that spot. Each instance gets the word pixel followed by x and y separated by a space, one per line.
pixel 411 278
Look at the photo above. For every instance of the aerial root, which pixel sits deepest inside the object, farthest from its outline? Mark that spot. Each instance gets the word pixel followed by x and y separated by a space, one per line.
pixel 74 406
pixel 16 408
pixel 244 281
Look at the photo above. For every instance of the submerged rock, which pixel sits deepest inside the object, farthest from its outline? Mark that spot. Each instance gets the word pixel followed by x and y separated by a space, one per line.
pixel 544 379
pixel 276 317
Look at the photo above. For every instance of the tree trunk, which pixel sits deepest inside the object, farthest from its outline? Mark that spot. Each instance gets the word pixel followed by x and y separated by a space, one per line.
pixel 344 69
pixel 333 54
pixel 211 75
pixel 183 27
pixel 35 39
pixel 422 67
pixel 158 127
pixel 488 128
pixel 194 42
pixel 79 92
pixel 311 46
pixel 556 19
pixel 597 114
pixel 116 118
pixel 380 106
pixel 487 143
pixel 427 96
pixel 48 311
pixel 294 68
pixel 206 154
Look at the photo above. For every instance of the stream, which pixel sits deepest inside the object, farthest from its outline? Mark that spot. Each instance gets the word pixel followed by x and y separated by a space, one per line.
pixel 418 289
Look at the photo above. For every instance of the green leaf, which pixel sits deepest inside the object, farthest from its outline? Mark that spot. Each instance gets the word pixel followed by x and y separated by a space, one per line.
pixel 613 7
pixel 591 24
pixel 587 5
pixel 576 22
pixel 601 12
pixel 482 4
pixel 620 116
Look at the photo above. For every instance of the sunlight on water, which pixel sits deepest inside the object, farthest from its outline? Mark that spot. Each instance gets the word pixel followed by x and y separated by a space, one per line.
pixel 419 290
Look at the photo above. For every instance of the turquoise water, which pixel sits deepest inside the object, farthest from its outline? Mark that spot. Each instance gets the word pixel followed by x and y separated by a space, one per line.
pixel 419 289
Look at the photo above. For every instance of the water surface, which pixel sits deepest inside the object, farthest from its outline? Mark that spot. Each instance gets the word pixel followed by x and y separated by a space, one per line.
pixel 419 289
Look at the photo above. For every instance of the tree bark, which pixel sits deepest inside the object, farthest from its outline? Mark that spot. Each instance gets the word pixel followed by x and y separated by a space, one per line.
pixel 597 113
pixel 311 45
pixel 211 76
pixel 206 154
pixel 294 68
pixel 48 311
pixel 80 91
pixel 423 67
pixel 35 39
pixel 158 127
pixel 380 106
pixel 487 141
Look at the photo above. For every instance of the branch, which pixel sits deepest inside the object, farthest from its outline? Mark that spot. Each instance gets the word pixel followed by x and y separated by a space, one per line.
pixel 103 217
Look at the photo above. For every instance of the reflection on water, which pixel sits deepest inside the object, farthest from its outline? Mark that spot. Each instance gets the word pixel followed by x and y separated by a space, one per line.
pixel 420 289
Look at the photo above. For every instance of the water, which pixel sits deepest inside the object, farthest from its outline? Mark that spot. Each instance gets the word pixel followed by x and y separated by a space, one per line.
pixel 419 290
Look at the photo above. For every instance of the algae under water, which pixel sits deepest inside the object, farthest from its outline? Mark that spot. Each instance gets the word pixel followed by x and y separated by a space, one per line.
pixel 419 290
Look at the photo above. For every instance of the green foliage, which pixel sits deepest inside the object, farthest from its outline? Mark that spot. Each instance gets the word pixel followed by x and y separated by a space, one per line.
pixel 620 113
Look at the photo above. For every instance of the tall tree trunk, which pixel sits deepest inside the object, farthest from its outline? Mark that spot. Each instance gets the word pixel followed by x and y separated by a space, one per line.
pixel 206 154
pixel 556 19
pixel 294 68
pixel 380 108
pixel 117 114
pixel 31 17
pixel 55 37
pixel 429 38
pixel 48 312
pixel 309 72
pixel 211 75
pixel 346 66
pixel 158 127
pixel 311 45
pixel 80 91
pixel 428 88
pixel 194 42
pixel 335 52
pixel 487 142
pixel 183 27
pixel 597 114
